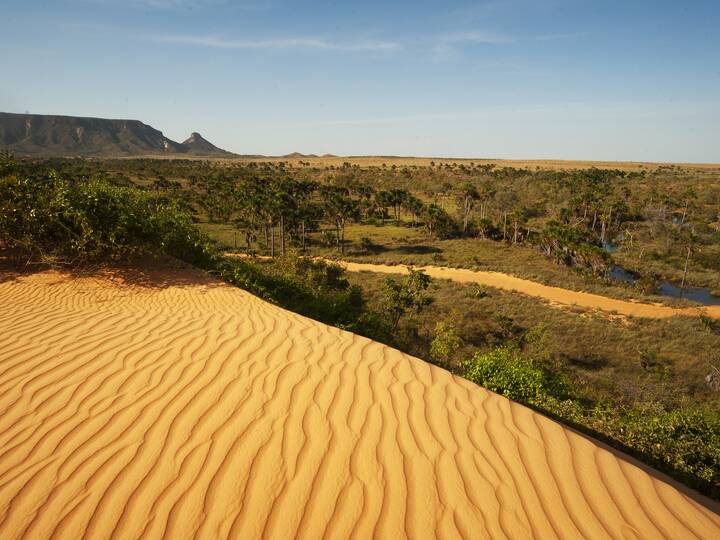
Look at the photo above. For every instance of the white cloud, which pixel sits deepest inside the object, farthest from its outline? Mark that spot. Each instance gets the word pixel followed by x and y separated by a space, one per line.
pixel 446 47
pixel 475 36
pixel 180 4
pixel 279 43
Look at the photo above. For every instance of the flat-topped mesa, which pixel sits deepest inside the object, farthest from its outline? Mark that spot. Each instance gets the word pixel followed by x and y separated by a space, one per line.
pixel 54 135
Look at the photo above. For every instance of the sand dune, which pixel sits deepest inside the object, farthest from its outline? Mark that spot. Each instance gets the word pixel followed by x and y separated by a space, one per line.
pixel 179 407
pixel 556 295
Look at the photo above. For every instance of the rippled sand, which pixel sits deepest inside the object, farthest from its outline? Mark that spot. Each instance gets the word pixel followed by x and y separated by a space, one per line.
pixel 172 405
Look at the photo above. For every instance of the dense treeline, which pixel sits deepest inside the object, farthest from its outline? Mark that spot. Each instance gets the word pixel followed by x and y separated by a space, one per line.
pixel 662 222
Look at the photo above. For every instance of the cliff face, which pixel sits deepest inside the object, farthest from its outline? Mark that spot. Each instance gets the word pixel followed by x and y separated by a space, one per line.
pixel 50 135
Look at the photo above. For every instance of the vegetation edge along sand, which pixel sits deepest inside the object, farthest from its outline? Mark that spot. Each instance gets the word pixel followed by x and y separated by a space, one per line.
pixel 556 295
pixel 170 403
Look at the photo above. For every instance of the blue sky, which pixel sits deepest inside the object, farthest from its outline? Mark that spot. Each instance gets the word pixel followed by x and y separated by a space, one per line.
pixel 572 79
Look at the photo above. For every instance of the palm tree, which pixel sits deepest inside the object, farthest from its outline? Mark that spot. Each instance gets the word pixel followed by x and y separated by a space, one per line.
pixel 485 194
pixel 688 196
pixel 468 195
pixel 397 198
pixel 518 218
pixel 339 207
pixel 260 201
pixel 437 222
pixel 413 206
pixel 383 199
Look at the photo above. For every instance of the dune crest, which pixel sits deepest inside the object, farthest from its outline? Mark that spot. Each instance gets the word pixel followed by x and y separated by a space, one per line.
pixel 192 409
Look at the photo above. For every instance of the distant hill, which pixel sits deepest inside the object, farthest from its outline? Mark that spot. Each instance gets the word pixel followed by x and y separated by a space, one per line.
pixel 298 155
pixel 197 145
pixel 51 135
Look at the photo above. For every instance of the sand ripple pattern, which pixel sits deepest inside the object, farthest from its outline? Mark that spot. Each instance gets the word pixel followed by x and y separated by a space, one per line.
pixel 199 411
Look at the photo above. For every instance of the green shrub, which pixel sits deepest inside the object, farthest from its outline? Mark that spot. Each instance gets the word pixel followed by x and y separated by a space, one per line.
pixel 406 295
pixel 52 220
pixel 506 371
pixel 684 441
pixel 446 342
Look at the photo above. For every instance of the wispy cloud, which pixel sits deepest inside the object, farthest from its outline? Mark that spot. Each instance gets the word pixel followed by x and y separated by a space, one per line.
pixel 275 43
pixel 387 120
pixel 440 47
pixel 186 5
pixel 474 36
pixel 553 37
pixel 447 47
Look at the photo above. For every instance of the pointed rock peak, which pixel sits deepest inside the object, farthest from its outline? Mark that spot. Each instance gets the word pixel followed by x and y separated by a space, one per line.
pixel 198 145
pixel 195 137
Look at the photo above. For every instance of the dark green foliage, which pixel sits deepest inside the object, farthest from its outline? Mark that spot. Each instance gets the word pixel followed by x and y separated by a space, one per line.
pixel 7 163
pixel 439 223
pixel 506 371
pixel 684 442
pixel 54 221
pixel 711 325
pixel 573 246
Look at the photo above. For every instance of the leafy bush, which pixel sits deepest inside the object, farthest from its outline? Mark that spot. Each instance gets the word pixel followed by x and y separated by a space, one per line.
pixel 314 288
pixel 54 221
pixel 315 273
pixel 439 223
pixel 573 246
pixel 506 371
pixel 685 442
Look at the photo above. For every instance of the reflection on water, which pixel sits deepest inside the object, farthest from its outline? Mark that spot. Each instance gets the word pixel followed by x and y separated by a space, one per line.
pixel 621 274
pixel 702 295
pixel 609 247
pixel 696 294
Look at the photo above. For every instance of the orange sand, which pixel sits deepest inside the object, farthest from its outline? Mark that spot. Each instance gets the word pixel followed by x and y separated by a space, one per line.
pixel 555 295
pixel 188 408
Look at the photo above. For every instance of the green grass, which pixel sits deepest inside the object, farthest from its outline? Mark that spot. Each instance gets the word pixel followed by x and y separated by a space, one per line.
pixel 402 244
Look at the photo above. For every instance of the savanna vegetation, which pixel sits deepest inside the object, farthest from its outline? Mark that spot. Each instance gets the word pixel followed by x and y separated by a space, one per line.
pixel 650 387
pixel 660 223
